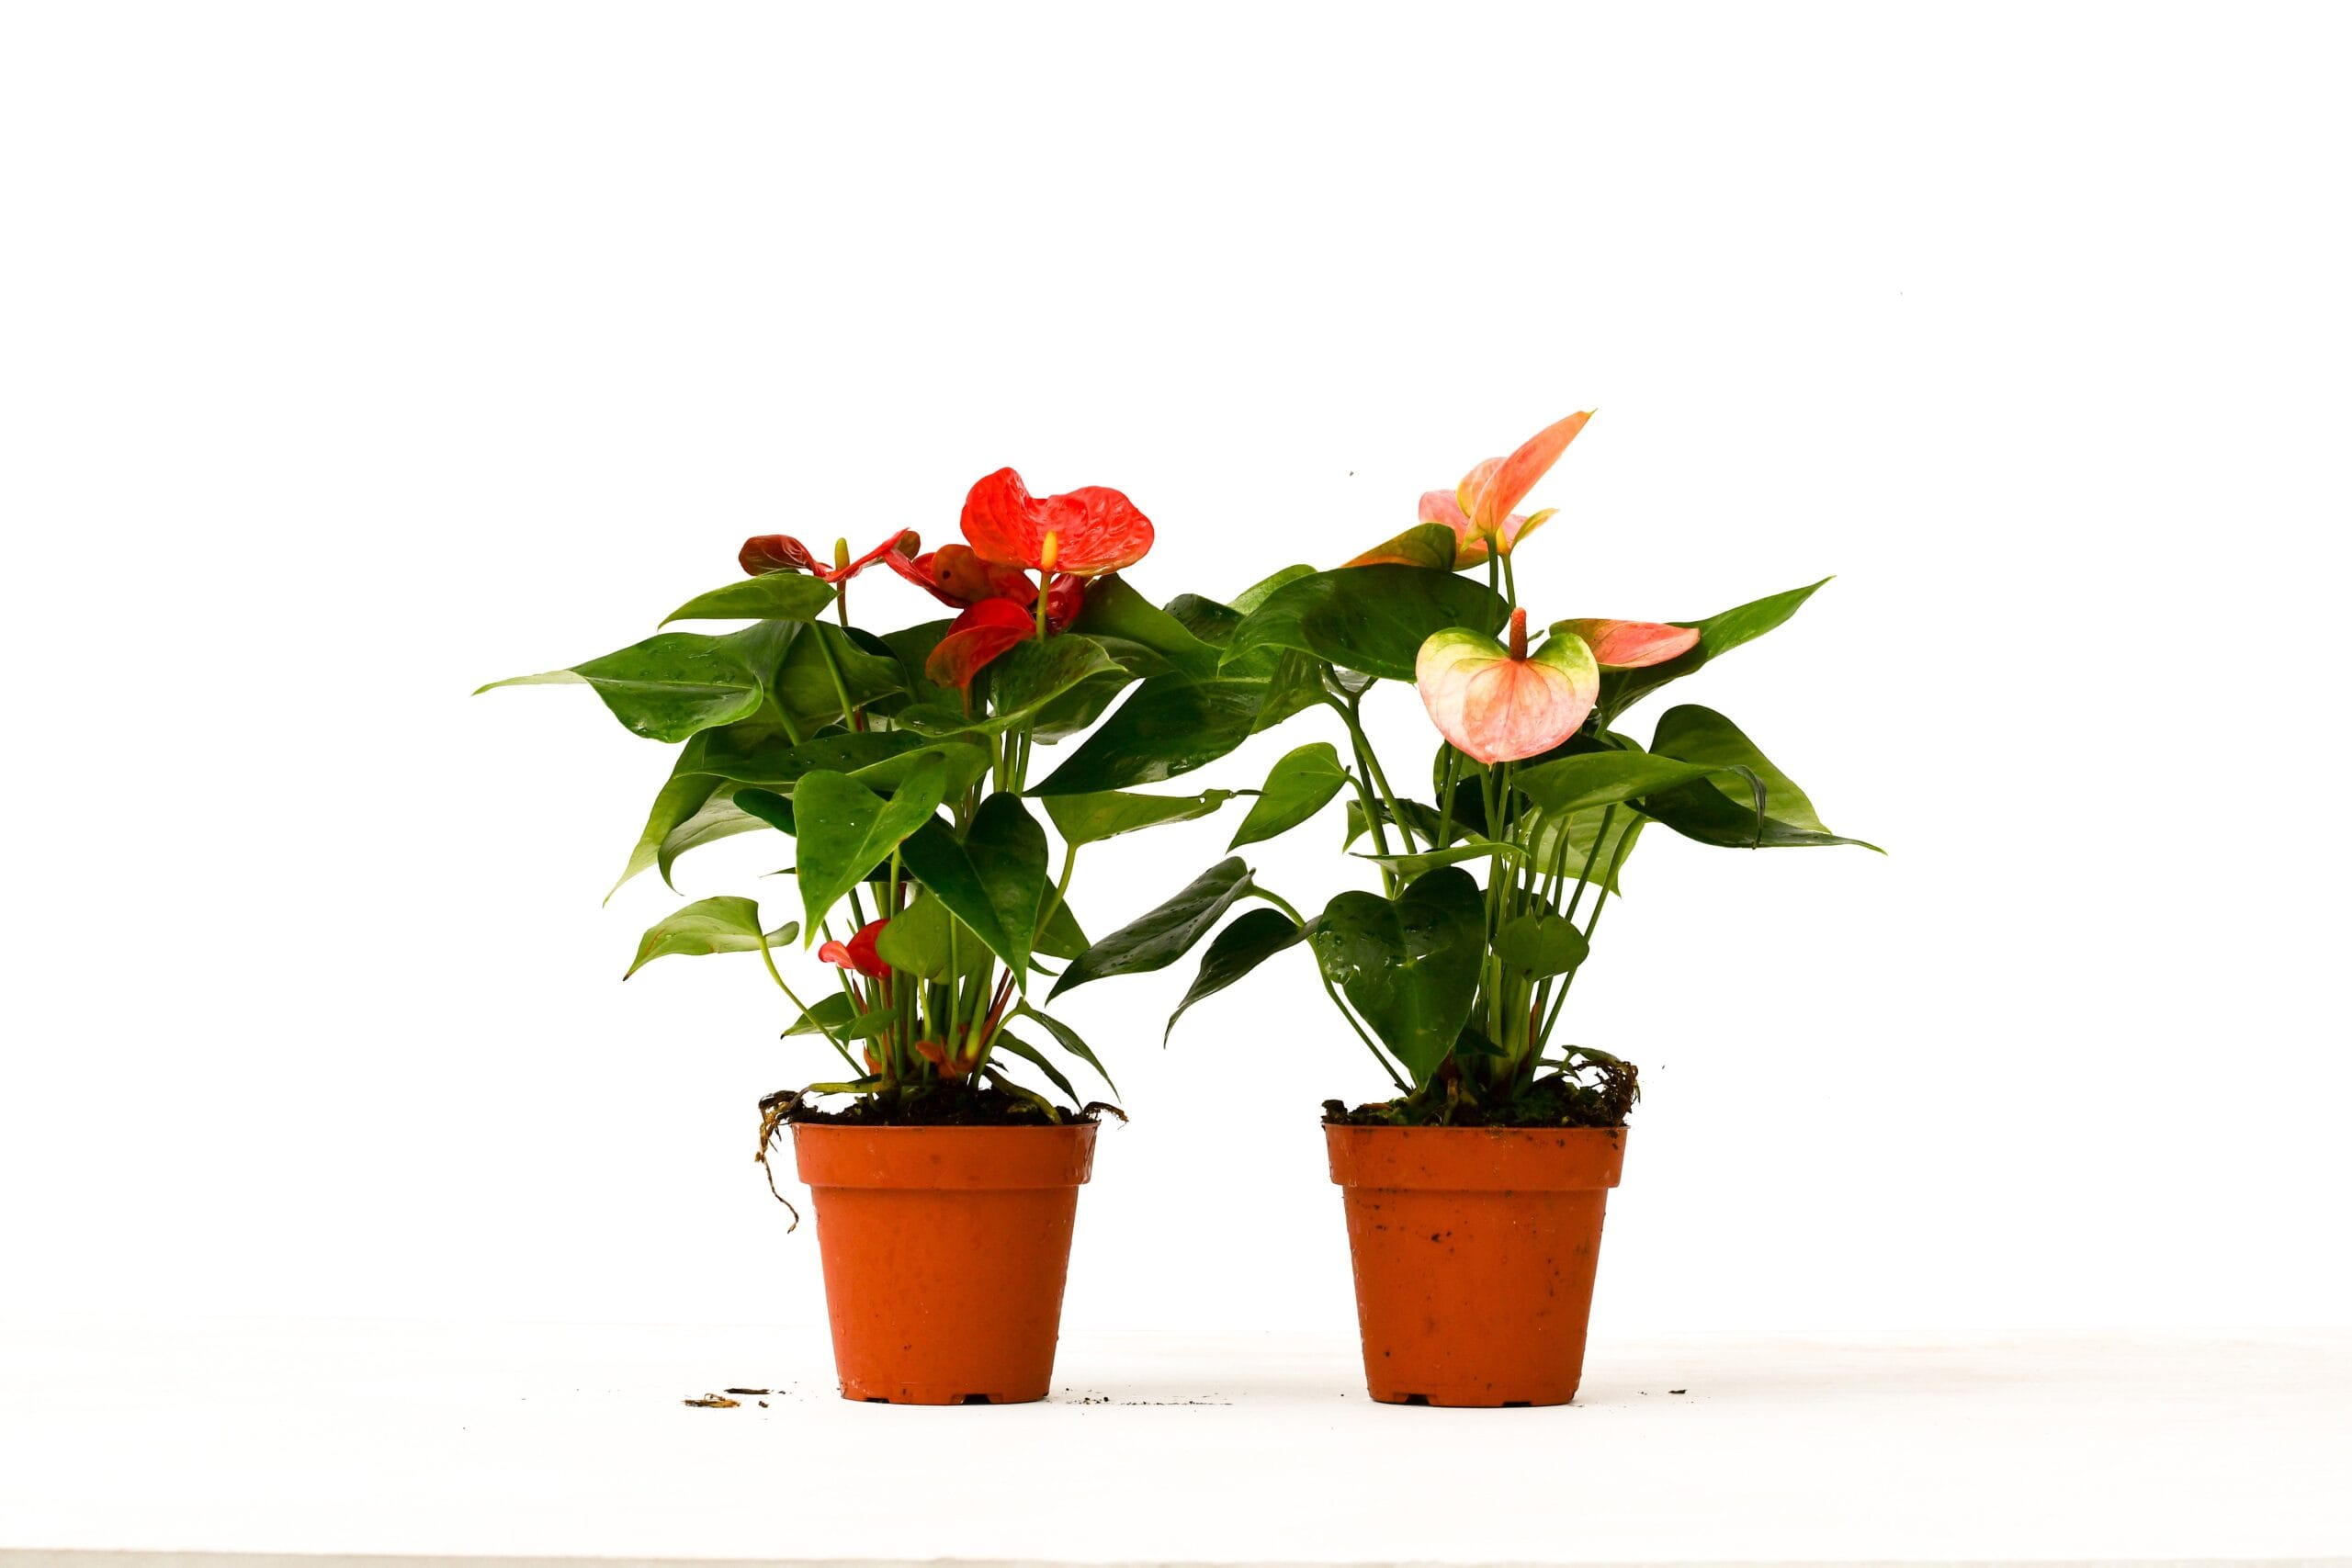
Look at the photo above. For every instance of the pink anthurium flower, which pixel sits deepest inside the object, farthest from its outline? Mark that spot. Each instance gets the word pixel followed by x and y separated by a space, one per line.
pixel 1488 491
pixel 782 552
pixel 1631 644
pixel 1086 533
pixel 1498 704
pixel 1479 510
pixel 859 953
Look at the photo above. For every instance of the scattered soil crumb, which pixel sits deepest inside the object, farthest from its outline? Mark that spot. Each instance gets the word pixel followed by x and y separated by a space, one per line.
pixel 714 1402
pixel 1677 1391
pixel 763 1405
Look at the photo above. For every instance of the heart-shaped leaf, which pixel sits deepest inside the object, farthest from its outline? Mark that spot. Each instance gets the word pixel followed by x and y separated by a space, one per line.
pixel 1410 967
pixel 709 925
pixel 1168 726
pixel 845 830
pixel 918 938
pixel 1089 818
pixel 1114 609
pixel 679 683
pixel 1299 786
pixel 1727 811
pixel 993 880
pixel 1602 778
pixel 1368 618
pixel 1256 936
pixel 778 595
pixel 1540 943
pixel 1167 934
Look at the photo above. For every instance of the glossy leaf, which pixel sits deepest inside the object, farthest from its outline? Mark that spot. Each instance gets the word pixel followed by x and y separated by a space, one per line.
pixel 845 830
pixel 1421 861
pixel 1541 942
pixel 1301 784
pixel 1581 830
pixel 1409 967
pixel 942 863
pixel 1165 728
pixel 1602 778
pixel 1427 544
pixel 1006 1041
pixel 1026 681
pixel 1089 818
pixel 1164 935
pixel 681 797
pixel 1114 609
pixel 707 926
pixel 1248 941
pixel 1062 936
pixel 1009 850
pixel 918 938
pixel 1068 1038
pixel 1724 812
pixel 1718 635
pixel 779 595
pixel 676 684
pixel 804 685
pixel 1368 618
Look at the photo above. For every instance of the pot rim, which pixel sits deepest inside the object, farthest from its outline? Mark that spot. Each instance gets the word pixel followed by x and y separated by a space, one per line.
pixel 1476 1159
pixel 947 1159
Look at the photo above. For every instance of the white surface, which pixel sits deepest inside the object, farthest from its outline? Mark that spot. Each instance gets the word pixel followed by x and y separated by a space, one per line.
pixel 352 355
pixel 572 1440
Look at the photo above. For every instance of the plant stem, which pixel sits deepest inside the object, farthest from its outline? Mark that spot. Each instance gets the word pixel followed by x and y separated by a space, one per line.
pixel 850 715
pixel 773 973
pixel 1279 902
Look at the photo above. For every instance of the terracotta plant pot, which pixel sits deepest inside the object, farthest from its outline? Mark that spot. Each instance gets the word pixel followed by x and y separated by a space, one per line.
pixel 945 1251
pixel 1474 1249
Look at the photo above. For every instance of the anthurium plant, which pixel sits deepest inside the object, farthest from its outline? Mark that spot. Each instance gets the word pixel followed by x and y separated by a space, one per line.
pixel 895 764
pixel 1456 972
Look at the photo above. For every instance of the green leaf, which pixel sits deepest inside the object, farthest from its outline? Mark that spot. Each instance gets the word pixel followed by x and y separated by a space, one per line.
pixel 1068 1040
pixel 720 817
pixel 1028 679
pixel 940 861
pixel 1206 619
pixel 1168 726
pixel 1301 784
pixel 1429 546
pixel 1422 861
pixel 804 684
pixel 1294 684
pixel 1166 934
pixel 918 939
pixel 1410 968
pixel 830 1014
pixel 1728 813
pixel 1718 635
pixel 1369 618
pixel 1061 938
pixel 1248 941
pixel 682 795
pixel 1265 588
pixel 845 830
pixel 1089 818
pixel 1009 850
pixel 1540 943
pixel 709 925
pixel 1603 778
pixel 775 595
pixel 1114 609
pixel 676 684
pixel 1005 1040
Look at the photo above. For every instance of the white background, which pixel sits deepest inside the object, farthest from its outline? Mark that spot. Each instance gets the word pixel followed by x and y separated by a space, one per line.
pixel 350 358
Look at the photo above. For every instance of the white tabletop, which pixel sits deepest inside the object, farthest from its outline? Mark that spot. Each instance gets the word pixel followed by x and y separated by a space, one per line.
pixel 260 1437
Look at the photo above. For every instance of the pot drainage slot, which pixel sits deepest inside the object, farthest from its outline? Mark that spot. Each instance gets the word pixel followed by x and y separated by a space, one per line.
pixel 877 1399
pixel 1421 1399
pixel 976 1399
pixel 1518 1403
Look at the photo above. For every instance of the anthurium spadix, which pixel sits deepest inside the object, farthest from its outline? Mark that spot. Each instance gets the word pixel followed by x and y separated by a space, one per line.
pixel 1498 703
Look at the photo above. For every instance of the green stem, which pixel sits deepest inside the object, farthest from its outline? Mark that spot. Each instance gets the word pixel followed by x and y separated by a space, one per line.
pixel 1332 991
pixel 1061 891
pixel 850 715
pixel 1445 804
pixel 773 973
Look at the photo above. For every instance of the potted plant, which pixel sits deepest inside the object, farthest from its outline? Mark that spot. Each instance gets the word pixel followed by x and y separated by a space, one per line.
pixel 1474 1194
pixel 946 1187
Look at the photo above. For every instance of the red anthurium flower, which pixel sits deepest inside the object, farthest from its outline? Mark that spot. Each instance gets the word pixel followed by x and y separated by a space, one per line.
pixel 1631 644
pixel 859 953
pixel 954 575
pixel 1085 533
pixel 1499 704
pixel 981 634
pixel 782 552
